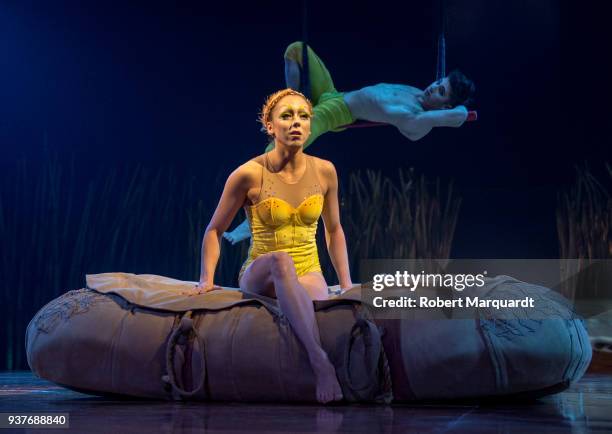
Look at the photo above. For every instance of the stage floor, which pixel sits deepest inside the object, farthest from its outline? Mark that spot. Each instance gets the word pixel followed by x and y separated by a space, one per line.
pixel 584 407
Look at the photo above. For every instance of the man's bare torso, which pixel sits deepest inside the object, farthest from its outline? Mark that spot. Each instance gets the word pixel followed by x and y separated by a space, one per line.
pixel 385 102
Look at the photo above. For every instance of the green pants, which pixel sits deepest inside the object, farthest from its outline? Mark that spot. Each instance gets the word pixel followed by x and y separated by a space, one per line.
pixel 330 110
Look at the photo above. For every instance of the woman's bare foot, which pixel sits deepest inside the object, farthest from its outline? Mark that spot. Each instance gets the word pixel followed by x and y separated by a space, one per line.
pixel 328 388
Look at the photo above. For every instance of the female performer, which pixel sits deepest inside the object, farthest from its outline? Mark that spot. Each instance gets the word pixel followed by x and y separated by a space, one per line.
pixel 284 192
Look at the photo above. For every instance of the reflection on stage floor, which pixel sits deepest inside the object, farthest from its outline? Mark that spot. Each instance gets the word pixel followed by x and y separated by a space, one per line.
pixel 582 408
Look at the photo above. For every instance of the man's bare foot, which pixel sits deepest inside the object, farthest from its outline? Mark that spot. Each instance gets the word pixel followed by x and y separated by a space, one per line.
pixel 241 232
pixel 235 236
pixel 229 236
pixel 328 388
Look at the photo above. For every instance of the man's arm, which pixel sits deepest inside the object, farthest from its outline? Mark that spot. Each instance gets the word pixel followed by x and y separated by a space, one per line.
pixel 418 126
pixel 454 117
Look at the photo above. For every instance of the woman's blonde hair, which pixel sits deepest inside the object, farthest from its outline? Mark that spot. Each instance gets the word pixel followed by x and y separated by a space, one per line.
pixel 272 100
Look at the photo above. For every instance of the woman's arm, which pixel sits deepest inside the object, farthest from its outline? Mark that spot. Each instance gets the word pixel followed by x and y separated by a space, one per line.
pixel 232 198
pixel 334 235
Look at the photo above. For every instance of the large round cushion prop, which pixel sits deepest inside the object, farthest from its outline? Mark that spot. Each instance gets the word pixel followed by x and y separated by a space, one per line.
pixel 137 335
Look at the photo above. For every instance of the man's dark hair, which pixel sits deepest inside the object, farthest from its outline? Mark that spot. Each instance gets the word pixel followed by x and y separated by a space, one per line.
pixel 462 88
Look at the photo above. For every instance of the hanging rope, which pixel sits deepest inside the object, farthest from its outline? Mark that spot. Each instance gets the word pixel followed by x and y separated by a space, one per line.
pixel 305 75
pixel 441 63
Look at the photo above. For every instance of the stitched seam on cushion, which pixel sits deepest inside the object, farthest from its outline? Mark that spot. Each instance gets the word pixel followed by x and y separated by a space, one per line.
pixel 235 323
pixel 113 348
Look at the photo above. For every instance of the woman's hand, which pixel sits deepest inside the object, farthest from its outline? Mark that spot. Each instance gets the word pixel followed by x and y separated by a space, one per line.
pixel 346 287
pixel 200 288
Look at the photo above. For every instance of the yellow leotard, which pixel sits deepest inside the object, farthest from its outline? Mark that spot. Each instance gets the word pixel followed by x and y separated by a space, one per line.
pixel 285 218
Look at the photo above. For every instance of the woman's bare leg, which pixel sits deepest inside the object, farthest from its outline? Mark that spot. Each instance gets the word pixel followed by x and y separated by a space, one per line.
pixel 274 274
pixel 316 288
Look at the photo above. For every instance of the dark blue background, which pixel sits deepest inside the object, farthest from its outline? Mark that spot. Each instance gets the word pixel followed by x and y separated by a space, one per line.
pixel 181 85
